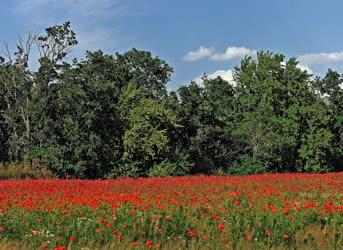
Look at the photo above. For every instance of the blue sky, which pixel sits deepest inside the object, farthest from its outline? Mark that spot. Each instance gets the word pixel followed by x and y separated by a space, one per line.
pixel 193 36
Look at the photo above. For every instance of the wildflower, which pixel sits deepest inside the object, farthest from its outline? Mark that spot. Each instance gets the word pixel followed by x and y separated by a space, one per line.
pixel 249 238
pixel 221 228
pixel 101 220
pixel 216 217
pixel 287 210
pixel 285 236
pixel 167 217
pixel 149 243
pixel 192 233
pixel 73 238
pixel 60 248
pixel 268 232
pixel 45 245
pixel 133 212
pixel 158 245
pixel 2 229
pixel 109 225
pixel 135 244
pixel 36 233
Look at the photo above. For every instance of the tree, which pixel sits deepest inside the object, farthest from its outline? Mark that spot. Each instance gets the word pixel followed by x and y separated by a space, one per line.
pixel 281 116
pixel 145 70
pixel 207 117
pixel 16 99
pixel 147 141
pixel 330 89
pixel 111 115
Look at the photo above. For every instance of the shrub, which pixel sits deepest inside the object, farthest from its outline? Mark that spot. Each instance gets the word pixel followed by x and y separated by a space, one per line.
pixel 26 169
pixel 246 165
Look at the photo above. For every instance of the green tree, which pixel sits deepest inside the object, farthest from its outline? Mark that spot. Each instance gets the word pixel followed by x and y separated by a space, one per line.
pixel 281 117
pixel 330 89
pixel 147 141
pixel 207 115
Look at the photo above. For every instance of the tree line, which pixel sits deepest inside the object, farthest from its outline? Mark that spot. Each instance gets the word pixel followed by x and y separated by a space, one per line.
pixel 111 115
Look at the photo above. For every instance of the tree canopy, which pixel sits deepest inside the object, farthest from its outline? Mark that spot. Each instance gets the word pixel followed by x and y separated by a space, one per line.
pixel 111 115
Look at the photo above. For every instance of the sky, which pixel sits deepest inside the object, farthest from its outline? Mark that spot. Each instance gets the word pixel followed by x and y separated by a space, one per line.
pixel 193 36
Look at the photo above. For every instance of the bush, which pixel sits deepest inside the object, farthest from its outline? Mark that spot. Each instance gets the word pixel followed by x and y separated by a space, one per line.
pixel 26 169
pixel 246 165
pixel 163 169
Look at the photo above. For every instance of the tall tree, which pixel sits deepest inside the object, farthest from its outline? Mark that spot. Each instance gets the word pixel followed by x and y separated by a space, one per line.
pixel 147 141
pixel 330 89
pixel 281 117
pixel 16 98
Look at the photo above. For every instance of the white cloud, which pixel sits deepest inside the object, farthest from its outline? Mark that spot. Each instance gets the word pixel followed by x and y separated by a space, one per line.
pixel 225 74
pixel 300 66
pixel 321 58
pixel 305 68
pixel 199 54
pixel 233 53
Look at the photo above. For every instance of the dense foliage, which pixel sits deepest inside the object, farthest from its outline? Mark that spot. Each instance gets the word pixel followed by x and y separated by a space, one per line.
pixel 111 115
pixel 274 211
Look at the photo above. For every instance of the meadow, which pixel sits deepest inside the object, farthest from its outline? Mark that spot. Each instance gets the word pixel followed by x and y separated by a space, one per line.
pixel 271 211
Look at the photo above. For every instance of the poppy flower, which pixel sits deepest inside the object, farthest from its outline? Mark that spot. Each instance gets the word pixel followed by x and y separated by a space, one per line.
pixel 135 244
pixel 60 248
pixel 249 238
pixel 149 244
pixel 73 238
pixel 268 232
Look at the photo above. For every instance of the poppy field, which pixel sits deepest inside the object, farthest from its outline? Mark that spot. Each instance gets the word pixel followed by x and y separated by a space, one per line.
pixel 272 211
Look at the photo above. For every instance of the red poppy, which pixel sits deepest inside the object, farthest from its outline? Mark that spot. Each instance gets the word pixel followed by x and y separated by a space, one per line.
pixel 249 238
pixel 135 244
pixel 149 243
pixel 268 232
pixel 60 248
pixel 73 238
pixel 192 233
pixel 45 245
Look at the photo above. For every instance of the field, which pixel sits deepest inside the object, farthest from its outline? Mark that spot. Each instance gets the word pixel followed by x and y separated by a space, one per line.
pixel 274 211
